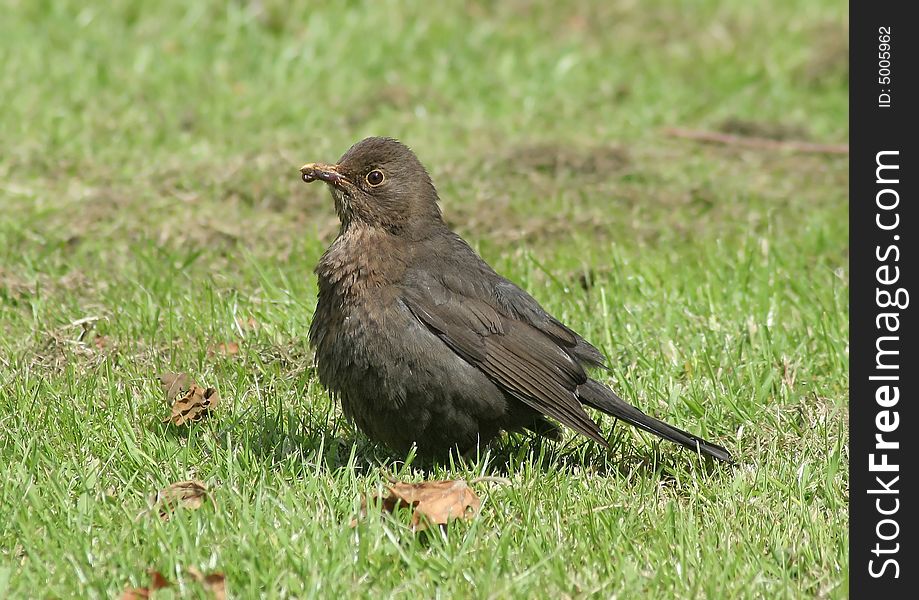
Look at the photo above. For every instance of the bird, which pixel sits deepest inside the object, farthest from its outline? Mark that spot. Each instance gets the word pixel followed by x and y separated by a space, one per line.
pixel 424 344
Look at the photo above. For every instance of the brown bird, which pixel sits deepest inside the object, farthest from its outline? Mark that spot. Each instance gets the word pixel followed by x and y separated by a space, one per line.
pixel 424 343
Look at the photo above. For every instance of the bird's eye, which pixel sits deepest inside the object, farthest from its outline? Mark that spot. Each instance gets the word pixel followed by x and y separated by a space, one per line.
pixel 375 177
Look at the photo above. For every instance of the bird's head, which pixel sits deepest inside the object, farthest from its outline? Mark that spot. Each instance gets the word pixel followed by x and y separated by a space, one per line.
pixel 379 182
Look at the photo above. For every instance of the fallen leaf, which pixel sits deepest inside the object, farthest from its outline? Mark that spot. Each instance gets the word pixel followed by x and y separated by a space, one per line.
pixel 432 502
pixel 195 402
pixel 195 405
pixel 227 349
pixel 215 583
pixel 157 582
pixel 174 384
pixel 183 494
pixel 249 323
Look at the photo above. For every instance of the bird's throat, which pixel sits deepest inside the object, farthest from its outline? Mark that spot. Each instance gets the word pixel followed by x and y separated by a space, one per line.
pixel 342 206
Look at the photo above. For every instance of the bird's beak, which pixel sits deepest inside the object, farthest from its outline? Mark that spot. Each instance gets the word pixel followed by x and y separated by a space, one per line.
pixel 328 173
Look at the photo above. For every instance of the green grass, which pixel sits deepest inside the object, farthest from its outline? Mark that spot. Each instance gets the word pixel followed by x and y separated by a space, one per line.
pixel 148 178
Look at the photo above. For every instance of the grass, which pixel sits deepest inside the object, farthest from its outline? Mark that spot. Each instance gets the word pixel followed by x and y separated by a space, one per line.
pixel 148 179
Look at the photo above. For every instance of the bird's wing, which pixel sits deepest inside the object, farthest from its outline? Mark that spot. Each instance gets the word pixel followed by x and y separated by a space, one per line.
pixel 512 301
pixel 525 361
pixel 525 307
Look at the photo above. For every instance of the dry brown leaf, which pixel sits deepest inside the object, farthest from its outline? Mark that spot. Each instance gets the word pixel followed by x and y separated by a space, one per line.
pixel 185 494
pixel 194 405
pixel 195 402
pixel 135 594
pixel 433 502
pixel 249 323
pixel 215 583
pixel 174 384
pixel 226 348
pixel 157 582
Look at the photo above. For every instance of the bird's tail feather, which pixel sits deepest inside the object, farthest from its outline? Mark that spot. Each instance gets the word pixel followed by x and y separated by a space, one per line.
pixel 604 399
